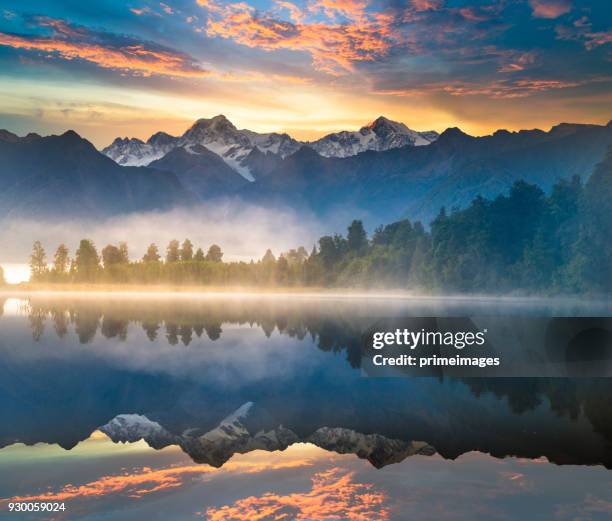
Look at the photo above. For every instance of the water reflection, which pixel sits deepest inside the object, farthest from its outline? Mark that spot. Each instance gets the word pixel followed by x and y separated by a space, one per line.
pixel 224 376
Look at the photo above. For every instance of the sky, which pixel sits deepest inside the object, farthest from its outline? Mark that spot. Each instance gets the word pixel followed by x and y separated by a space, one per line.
pixel 108 68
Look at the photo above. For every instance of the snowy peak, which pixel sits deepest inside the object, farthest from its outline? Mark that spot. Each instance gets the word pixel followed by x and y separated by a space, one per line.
pixel 381 134
pixel 135 152
pixel 218 130
pixel 219 135
pixel 234 435
pixel 383 125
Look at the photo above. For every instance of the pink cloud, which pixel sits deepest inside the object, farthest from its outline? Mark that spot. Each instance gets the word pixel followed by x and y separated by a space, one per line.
pixel 550 8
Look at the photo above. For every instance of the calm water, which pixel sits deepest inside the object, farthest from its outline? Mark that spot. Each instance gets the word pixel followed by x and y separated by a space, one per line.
pixel 255 408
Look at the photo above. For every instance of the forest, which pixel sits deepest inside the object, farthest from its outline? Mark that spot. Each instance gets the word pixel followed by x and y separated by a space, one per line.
pixel 524 240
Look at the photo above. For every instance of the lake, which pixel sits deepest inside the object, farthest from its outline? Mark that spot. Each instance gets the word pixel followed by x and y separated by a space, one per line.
pixel 257 407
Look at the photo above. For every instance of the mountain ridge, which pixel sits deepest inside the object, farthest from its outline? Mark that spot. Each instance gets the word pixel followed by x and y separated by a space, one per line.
pixel 66 175
pixel 222 137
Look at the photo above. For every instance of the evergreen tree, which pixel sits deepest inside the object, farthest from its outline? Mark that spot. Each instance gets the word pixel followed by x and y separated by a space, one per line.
pixel 199 255
pixel 38 262
pixel 173 251
pixel 87 261
pixel 268 257
pixel 282 271
pixel 187 250
pixel 61 261
pixel 357 238
pixel 152 254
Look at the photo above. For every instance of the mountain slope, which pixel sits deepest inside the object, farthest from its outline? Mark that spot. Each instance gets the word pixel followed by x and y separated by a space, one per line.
pixel 381 134
pixel 201 171
pixel 66 175
pixel 217 134
pixel 235 146
pixel 416 181
pixel 134 152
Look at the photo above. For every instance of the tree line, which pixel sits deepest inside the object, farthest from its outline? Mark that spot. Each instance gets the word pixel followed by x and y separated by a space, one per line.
pixel 523 240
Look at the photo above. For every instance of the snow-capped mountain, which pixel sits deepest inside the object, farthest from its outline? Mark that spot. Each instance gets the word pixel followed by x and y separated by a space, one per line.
pixel 236 146
pixel 234 436
pixel 381 134
pixel 134 152
pixel 217 134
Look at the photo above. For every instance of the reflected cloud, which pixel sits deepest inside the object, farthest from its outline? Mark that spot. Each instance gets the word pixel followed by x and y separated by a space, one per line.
pixel 334 495
pixel 139 482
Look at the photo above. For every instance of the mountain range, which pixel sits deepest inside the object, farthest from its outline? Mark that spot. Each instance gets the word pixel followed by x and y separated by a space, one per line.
pixel 376 174
pixel 235 435
pixel 235 146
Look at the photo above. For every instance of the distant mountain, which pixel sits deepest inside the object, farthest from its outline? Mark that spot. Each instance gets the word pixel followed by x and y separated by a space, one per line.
pixel 66 175
pixel 217 134
pixel 134 152
pixel 381 134
pixel 415 182
pixel 201 171
pixel 235 146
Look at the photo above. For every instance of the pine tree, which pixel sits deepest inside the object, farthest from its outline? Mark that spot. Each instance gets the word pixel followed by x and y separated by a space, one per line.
pixel 38 262
pixel 87 261
pixel 187 250
pixel 357 237
pixel 199 255
pixel 173 251
pixel 60 261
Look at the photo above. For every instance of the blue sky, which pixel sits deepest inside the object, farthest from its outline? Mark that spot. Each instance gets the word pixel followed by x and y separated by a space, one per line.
pixel 307 67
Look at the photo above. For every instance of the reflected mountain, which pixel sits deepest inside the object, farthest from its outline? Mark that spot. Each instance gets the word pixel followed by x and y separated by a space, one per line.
pixel 238 434
pixel 218 377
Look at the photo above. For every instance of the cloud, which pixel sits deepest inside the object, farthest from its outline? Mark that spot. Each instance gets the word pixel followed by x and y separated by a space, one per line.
pixel 334 495
pixel 143 481
pixel 70 42
pixel 426 5
pixel 495 89
pixel 350 9
pixel 518 62
pixel 581 30
pixel 333 47
pixel 550 8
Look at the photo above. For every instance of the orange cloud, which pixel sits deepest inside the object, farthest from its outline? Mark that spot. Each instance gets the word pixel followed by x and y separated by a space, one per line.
pixel 510 89
pixel 71 42
pixel 550 8
pixel 334 47
pixel 502 89
pixel 518 63
pixel 351 9
pixel 334 495
pixel 426 5
pixel 144 481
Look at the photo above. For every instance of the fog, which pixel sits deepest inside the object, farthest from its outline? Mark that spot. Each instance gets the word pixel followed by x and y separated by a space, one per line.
pixel 243 231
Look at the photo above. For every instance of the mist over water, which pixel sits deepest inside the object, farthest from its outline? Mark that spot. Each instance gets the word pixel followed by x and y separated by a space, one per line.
pixel 243 231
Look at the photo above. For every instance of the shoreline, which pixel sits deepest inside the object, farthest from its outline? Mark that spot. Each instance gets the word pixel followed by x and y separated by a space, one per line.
pixel 178 291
